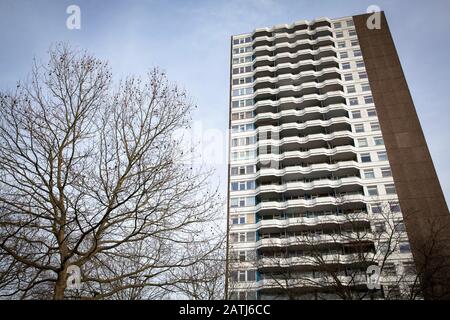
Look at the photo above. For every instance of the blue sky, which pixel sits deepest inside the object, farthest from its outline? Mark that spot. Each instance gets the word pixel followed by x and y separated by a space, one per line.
pixel 190 40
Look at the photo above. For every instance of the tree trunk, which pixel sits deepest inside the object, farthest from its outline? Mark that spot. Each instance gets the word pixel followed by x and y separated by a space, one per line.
pixel 60 286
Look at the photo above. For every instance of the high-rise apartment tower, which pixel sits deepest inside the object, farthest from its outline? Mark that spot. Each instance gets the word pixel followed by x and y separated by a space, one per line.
pixel 330 179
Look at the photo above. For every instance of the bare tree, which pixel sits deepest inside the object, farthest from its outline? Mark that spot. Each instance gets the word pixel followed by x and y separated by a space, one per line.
pixel 431 251
pixel 204 280
pixel 94 177
pixel 338 269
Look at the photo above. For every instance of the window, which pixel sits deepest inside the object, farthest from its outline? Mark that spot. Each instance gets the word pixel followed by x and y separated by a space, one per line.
pixel 337 25
pixel 369 174
pixel 242 170
pixel 238 220
pixel 251 295
pixel 389 269
pixel 404 247
pixel 356 114
pixel 386 172
pixel 242 40
pixel 242 50
pixel 371 113
pixel 382 156
pixel 409 267
pixel 242 202
pixel 379 141
pixel 353 101
pixel 357 53
pixel 341 44
pixel 359 128
pixel 247 115
pixel 399 226
pixel 348 77
pixel 242 70
pixel 351 89
pixel 365 87
pixel 362 142
pixel 376 208
pixel 242 256
pixel 368 99
pixel 242 60
pixel 395 207
pixel 251 255
pixel 350 23
pixel 346 66
pixel 242 91
pixel 362 75
pixel 372 190
pixel 245 80
pixel 343 55
pixel 360 64
pixel 374 126
pixel 389 188
pixel 351 32
pixel 383 247
pixel 251 275
pixel 354 43
pixel 380 227
pixel 244 155
pixel 365 157
pixel 251 236
pixel 242 185
pixel 242 103
pixel 339 34
pixel 243 141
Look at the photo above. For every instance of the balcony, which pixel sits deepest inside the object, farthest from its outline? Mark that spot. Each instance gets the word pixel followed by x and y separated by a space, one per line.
pixel 311 282
pixel 295 68
pixel 313 172
pixel 298 78
pixel 308 186
pixel 303 223
pixel 319 202
pixel 315 240
pixel 287 57
pixel 308 142
pixel 340 153
pixel 290 28
pixel 293 129
pixel 307 114
pixel 290 36
pixel 289 103
pixel 311 261
pixel 299 90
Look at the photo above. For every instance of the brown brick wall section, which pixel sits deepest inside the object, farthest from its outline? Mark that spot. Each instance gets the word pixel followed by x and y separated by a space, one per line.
pixel 421 198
